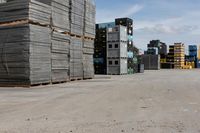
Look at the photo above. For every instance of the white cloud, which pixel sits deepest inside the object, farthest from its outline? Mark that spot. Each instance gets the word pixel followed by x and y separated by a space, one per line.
pixel 110 14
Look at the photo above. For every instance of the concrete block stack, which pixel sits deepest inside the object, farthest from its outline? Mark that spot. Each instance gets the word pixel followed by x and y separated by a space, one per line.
pixel 41 42
pixel 25 43
pixel 89 34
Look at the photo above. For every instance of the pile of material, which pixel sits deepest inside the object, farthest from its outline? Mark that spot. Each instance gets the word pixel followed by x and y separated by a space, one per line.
pixel 45 42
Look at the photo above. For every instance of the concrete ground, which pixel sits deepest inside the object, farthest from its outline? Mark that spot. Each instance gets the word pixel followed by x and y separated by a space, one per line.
pixel 166 101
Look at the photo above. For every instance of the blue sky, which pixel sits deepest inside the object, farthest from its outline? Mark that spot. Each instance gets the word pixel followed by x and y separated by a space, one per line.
pixel 168 20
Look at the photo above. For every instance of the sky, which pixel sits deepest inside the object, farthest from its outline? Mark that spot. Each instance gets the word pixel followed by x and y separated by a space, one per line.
pixel 167 20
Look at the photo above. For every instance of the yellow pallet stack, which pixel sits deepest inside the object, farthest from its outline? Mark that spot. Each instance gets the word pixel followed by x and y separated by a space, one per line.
pixel 179 56
pixel 199 53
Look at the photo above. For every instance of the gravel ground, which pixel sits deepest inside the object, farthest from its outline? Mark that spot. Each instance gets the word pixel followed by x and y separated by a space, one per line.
pixel 165 101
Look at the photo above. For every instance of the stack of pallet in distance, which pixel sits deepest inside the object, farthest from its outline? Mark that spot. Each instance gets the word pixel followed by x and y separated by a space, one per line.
pixel 151 62
pixel 41 42
pixel 179 55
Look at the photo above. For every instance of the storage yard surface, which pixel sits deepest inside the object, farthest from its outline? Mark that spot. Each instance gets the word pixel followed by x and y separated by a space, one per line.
pixel 166 101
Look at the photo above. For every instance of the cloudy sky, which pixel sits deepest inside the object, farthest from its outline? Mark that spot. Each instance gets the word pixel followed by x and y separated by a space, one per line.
pixel 168 20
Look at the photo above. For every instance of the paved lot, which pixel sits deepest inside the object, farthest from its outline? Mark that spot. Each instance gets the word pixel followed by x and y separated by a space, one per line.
pixel 166 101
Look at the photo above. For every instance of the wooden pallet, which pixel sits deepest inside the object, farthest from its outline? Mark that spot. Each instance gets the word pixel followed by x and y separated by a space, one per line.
pixel 24 85
pixel 23 21
pixel 76 79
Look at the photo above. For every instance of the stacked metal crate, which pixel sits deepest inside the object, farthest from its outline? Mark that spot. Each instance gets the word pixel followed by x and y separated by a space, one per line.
pixel 192 49
pixel 133 52
pixel 25 43
pixel 100 45
pixel 170 56
pixel 151 62
pixel 117 50
pixel 179 55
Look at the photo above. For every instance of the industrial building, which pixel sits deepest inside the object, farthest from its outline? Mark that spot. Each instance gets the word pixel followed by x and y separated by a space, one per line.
pixel 46 42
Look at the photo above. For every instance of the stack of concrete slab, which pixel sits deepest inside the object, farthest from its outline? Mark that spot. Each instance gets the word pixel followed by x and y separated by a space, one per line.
pixel 89 22
pixel 30 10
pixel 60 15
pixel 88 44
pixel 76 59
pixel 43 42
pixel 60 57
pixel 77 17
pixel 25 52
pixel 2 1
pixel 88 63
